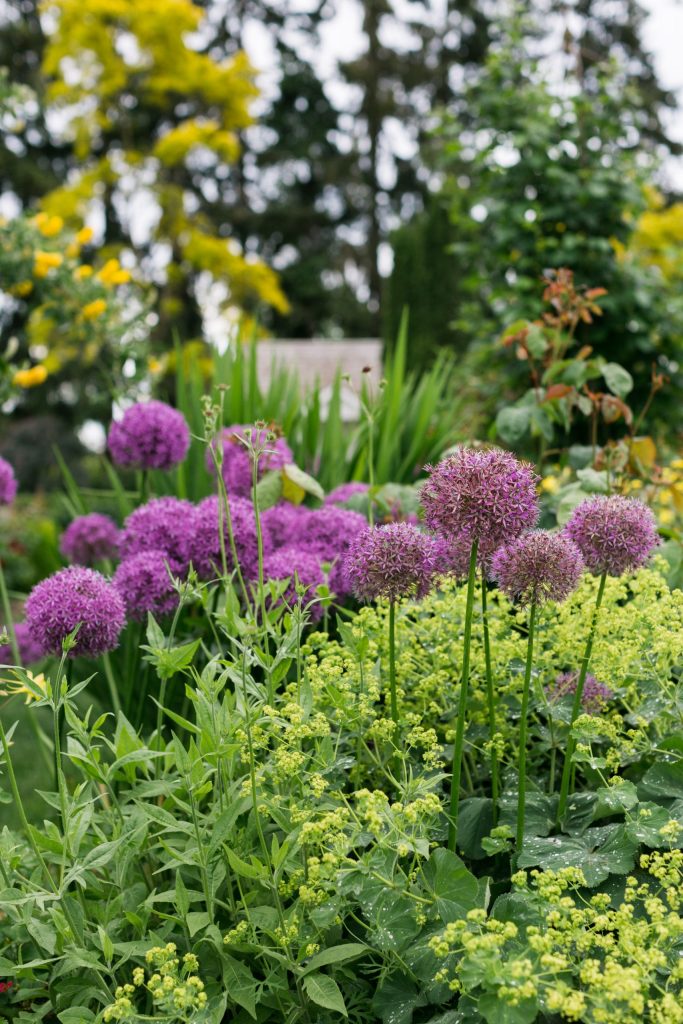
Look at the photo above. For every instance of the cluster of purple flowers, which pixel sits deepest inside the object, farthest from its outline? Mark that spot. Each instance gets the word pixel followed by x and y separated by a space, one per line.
pixel 90 539
pixel 595 694
pixel 76 597
pixel 8 483
pixel 150 435
pixel 29 649
pixel 236 468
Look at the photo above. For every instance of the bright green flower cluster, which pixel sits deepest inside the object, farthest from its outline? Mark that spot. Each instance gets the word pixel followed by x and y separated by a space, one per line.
pixel 176 991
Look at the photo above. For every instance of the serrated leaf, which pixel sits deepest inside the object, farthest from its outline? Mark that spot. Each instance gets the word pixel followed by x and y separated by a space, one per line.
pixel 323 990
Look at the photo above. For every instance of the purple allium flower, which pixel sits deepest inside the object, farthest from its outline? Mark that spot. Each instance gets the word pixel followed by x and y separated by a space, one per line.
pixel 287 562
pixel 163 524
pixel 539 566
pixel 453 557
pixel 206 553
pixel 340 495
pixel 329 532
pixel 29 649
pixel 390 561
pixel 237 467
pixel 145 585
pixel 151 435
pixel 615 535
pixel 90 538
pixel 285 523
pixel 8 483
pixel 595 694
pixel 486 495
pixel 71 596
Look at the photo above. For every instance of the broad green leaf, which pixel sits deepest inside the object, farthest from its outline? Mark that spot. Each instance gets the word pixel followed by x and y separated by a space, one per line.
pixel 323 990
pixel 617 379
pixel 335 955
pixel 454 888
pixel 500 1011
pixel 513 422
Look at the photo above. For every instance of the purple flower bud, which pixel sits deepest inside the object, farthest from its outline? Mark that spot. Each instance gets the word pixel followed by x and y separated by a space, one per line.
pixel 237 464
pixel 71 596
pixel 486 495
pixel 595 694
pixel 145 585
pixel 539 566
pixel 163 524
pixel 390 561
pixel 615 535
pixel 151 435
pixel 8 483
pixel 88 539
pixel 29 649
pixel 206 554
pixel 294 563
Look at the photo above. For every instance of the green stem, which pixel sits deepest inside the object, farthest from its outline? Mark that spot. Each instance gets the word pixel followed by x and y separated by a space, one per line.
pixel 111 683
pixel 392 661
pixel 462 704
pixel 576 707
pixel 491 702
pixel 521 785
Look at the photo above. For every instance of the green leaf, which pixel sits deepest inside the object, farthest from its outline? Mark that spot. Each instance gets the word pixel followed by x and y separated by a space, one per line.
pixel 475 821
pixel 239 983
pixel 296 484
pixel 498 1011
pixel 617 379
pixel 76 1015
pixel 396 1000
pixel 43 934
pixel 196 920
pixel 513 422
pixel 664 779
pixel 335 955
pixel 269 489
pixel 455 889
pixel 241 868
pixel 323 990
pixel 182 899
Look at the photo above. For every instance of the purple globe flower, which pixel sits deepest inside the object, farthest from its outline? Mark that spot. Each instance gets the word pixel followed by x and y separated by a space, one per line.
pixel 328 533
pixel 484 495
pixel 29 649
pixel 340 495
pixel 539 566
pixel 237 467
pixel 151 435
pixel 285 523
pixel 8 483
pixel 163 524
pixel 393 561
pixel 71 597
pixel 88 539
pixel 294 563
pixel 595 694
pixel 145 585
pixel 615 535
pixel 206 553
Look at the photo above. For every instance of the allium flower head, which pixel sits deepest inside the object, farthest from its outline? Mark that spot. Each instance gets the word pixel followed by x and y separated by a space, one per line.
pixel 391 561
pixel 615 535
pixel 151 435
pixel 486 495
pixel 340 495
pixel 294 563
pixel 8 483
pixel 285 524
pixel 237 464
pixel 71 596
pixel 163 524
pixel 90 538
pixel 539 566
pixel 206 552
pixel 453 557
pixel 329 532
pixel 595 694
pixel 29 649
pixel 145 585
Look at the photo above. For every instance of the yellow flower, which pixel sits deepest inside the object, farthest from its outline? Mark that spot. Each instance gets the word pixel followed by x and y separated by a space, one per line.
pixel 154 365
pixel 30 378
pixel 44 262
pixel 16 686
pixel 94 309
pixel 83 271
pixel 84 236
pixel 22 289
pixel 48 226
pixel 550 484
pixel 112 273
pixel 666 516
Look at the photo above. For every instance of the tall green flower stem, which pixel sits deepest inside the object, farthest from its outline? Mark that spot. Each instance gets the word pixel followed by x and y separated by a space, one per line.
pixel 578 695
pixel 490 700
pixel 392 661
pixel 521 783
pixel 42 741
pixel 462 703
